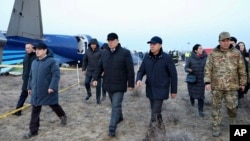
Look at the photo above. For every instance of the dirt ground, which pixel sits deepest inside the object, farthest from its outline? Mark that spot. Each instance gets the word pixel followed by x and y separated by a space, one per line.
pixel 88 121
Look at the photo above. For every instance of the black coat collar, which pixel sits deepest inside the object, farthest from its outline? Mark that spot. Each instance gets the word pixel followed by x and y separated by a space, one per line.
pixel 159 55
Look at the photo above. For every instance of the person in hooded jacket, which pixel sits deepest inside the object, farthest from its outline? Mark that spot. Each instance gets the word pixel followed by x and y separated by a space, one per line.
pixel 43 87
pixel 195 64
pixel 89 64
pixel 161 80
pixel 28 59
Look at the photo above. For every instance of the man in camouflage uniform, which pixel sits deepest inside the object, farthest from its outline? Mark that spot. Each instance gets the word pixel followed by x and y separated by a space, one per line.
pixel 224 75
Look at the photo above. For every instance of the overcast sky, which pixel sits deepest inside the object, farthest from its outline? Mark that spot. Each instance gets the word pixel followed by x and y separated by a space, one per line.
pixel 177 22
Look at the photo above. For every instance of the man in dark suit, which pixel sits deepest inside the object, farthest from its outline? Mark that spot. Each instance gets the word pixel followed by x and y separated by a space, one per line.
pixel 28 59
pixel 117 65
pixel 161 74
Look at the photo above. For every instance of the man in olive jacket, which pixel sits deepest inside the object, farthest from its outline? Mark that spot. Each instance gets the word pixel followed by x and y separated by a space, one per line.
pixel 43 87
pixel 225 74
pixel 117 65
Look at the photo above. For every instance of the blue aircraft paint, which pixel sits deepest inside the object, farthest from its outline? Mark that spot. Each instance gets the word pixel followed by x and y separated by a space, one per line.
pixel 64 47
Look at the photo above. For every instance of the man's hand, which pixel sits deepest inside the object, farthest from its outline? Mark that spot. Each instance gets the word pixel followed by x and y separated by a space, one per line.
pixel 94 83
pixel 50 91
pixel 173 95
pixel 138 83
pixel 130 88
pixel 242 88
pixel 29 92
pixel 84 72
pixel 208 87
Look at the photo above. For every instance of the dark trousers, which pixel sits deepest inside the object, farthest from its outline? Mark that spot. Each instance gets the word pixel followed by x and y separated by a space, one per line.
pixel 35 116
pixel 156 106
pixel 240 96
pixel 116 113
pixel 200 103
pixel 103 90
pixel 192 101
pixel 22 99
pixel 98 87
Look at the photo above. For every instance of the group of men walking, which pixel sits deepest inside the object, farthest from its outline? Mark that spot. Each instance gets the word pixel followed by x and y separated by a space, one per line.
pixel 113 64
pixel 112 70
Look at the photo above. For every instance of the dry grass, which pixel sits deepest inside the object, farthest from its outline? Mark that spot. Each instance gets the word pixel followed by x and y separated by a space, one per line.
pixel 88 121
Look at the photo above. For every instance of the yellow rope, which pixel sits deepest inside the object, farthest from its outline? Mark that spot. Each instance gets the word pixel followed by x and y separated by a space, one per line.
pixel 28 105
pixel 21 66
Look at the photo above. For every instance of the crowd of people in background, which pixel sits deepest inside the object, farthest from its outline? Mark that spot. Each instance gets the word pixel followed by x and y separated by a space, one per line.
pixel 224 72
pixel 110 69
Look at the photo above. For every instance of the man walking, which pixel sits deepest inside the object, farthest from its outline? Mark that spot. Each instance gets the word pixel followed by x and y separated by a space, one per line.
pixel 28 58
pixel 43 88
pixel 89 63
pixel 225 74
pixel 117 65
pixel 161 74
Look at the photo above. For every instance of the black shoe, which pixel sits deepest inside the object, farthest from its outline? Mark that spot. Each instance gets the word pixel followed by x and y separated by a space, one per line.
pixel 18 113
pixel 111 133
pixel 63 120
pixel 87 98
pixel 29 135
pixel 201 114
pixel 120 120
pixel 216 133
pixel 98 102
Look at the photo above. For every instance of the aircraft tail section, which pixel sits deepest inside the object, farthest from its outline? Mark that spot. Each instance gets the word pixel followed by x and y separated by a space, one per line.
pixel 26 19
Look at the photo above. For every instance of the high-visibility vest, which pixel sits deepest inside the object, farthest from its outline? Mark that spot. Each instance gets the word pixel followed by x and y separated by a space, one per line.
pixel 187 54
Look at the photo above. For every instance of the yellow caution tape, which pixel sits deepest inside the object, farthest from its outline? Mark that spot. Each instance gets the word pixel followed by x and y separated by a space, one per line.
pixel 14 111
pixel 16 66
pixel 28 105
pixel 68 69
pixel 21 66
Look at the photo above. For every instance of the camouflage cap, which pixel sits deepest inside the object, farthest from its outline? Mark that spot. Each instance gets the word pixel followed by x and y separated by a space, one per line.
pixel 224 35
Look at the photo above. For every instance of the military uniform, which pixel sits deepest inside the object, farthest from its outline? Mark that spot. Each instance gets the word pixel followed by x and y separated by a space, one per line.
pixel 225 71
